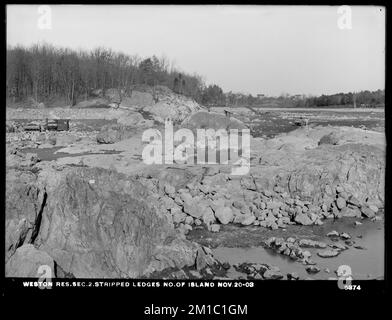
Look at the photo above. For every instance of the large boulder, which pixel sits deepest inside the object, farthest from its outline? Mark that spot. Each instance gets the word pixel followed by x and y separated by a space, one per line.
pixel 314 174
pixel 212 120
pixel 224 215
pixel 177 177
pixel 134 119
pixel 25 201
pixel 98 223
pixel 303 219
pixel 131 119
pixel 331 138
pixel 171 105
pixel 360 170
pixel 92 223
pixel 196 207
pixel 27 262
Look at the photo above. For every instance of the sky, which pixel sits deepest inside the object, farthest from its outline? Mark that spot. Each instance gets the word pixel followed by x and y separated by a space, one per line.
pixel 269 50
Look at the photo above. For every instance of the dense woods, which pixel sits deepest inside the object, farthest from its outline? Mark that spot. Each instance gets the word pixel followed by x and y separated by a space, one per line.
pixel 44 72
pixel 359 99
pixel 365 99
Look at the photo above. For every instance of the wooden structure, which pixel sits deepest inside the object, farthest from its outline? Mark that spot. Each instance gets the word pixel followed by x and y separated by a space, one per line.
pixel 57 124
pixel 49 124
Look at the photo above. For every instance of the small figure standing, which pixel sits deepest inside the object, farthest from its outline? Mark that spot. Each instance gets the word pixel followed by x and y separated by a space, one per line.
pixel 307 125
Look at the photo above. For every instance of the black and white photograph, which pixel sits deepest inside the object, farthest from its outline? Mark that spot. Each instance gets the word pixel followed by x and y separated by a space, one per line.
pixel 194 146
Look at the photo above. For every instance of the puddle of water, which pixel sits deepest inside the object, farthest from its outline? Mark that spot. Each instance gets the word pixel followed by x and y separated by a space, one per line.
pixel 49 154
pixel 365 264
pixel 272 128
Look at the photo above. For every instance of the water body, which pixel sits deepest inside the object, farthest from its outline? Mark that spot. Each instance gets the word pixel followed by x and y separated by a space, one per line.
pixel 270 125
pixel 50 154
pixel 366 263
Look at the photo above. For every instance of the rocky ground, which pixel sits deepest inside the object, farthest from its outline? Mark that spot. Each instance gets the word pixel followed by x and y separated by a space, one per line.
pixel 84 202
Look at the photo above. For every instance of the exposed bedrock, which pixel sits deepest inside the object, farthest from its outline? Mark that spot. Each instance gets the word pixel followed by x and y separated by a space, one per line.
pixel 325 182
pixel 27 261
pixel 322 174
pixel 211 120
pixel 94 223
pixel 25 201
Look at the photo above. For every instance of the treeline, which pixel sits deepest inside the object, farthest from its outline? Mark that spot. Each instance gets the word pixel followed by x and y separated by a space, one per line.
pixel 365 99
pixel 357 99
pixel 44 71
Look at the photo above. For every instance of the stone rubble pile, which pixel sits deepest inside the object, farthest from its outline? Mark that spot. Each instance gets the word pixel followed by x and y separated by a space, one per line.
pixel 294 248
pixel 173 106
pixel 201 204
pixel 261 271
